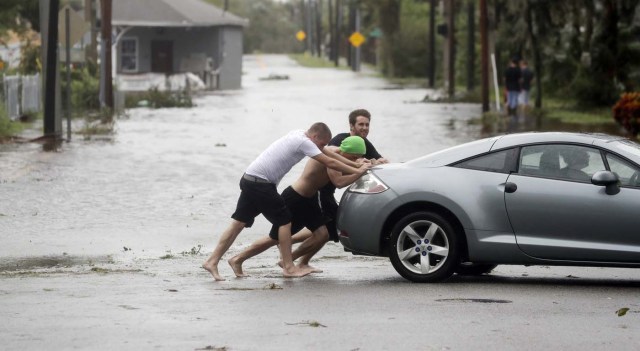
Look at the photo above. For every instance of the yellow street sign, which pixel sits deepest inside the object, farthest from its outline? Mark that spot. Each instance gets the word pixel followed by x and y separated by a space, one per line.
pixel 301 35
pixel 356 39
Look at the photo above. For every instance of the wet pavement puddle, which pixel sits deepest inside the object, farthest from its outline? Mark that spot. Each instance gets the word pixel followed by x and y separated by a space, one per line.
pixel 474 300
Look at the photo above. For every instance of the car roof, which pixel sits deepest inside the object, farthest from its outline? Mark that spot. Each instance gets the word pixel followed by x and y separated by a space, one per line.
pixel 510 140
pixel 477 147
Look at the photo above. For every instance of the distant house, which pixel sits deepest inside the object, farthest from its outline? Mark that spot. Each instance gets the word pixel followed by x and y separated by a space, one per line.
pixel 168 37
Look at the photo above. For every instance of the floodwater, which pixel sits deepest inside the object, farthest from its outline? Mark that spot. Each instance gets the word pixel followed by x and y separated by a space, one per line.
pixel 167 180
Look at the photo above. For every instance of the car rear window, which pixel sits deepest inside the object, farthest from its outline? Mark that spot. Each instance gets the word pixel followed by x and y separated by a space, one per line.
pixel 499 161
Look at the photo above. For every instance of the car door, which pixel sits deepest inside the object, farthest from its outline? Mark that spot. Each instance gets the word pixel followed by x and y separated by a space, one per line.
pixel 556 213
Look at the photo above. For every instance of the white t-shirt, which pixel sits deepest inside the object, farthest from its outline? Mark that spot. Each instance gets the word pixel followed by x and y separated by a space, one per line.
pixel 278 159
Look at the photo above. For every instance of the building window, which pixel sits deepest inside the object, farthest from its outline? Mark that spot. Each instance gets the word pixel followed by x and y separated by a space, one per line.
pixel 129 54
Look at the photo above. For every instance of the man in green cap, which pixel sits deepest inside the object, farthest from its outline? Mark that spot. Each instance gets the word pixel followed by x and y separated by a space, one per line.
pixel 359 123
pixel 302 200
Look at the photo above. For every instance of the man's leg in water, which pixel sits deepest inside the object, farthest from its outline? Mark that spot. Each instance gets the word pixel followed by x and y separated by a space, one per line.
pixel 310 247
pixel 226 239
pixel 257 247
pixel 301 236
pixel 288 268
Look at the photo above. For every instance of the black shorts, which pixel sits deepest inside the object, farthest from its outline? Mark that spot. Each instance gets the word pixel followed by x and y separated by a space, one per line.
pixel 256 198
pixel 305 212
pixel 329 208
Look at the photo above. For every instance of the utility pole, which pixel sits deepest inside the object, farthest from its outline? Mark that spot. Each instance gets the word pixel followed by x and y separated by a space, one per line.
pixel 303 19
pixel 484 55
pixel 350 26
pixel 471 45
pixel 451 69
pixel 52 121
pixel 67 44
pixel 307 25
pixel 318 10
pixel 336 42
pixel 332 32
pixel 431 70
pixel 106 81
pixel 356 48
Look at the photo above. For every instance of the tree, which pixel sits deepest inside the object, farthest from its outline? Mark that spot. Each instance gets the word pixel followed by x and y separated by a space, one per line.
pixel 18 16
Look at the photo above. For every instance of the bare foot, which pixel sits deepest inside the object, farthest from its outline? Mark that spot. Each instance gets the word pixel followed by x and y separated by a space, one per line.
pixel 213 269
pixel 237 267
pixel 280 264
pixel 295 272
pixel 312 268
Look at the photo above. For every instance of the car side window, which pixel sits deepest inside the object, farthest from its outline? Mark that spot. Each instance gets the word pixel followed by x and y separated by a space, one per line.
pixel 499 161
pixel 559 161
pixel 627 173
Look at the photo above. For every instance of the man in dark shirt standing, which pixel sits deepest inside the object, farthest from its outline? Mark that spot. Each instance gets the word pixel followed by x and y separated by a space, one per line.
pixel 512 82
pixel 359 121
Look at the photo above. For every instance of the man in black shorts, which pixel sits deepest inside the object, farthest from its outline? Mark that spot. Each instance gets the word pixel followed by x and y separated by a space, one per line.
pixel 302 200
pixel 359 123
pixel 259 192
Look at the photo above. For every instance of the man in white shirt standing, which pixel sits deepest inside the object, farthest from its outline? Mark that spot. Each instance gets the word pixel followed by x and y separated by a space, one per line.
pixel 259 194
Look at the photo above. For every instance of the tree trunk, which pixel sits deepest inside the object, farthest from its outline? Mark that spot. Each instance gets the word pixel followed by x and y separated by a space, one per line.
pixel 537 59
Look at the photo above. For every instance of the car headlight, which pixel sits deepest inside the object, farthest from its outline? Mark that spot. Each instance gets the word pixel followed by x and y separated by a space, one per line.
pixel 368 184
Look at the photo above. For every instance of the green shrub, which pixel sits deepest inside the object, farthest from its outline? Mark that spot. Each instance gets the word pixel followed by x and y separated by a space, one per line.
pixel 85 90
pixel 155 98
pixel 8 128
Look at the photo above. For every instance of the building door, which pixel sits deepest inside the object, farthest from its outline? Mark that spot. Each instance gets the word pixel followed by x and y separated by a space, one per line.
pixel 162 56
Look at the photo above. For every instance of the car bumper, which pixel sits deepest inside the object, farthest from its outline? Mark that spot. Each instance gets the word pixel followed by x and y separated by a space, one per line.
pixel 361 220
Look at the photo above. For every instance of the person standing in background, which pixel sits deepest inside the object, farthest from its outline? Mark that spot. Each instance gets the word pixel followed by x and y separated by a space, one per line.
pixel 512 83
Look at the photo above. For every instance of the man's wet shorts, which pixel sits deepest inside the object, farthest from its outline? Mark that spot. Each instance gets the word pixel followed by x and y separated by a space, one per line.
pixel 305 212
pixel 258 196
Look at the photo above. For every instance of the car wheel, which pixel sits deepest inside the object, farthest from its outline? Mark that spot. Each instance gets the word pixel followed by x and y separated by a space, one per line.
pixel 470 268
pixel 424 248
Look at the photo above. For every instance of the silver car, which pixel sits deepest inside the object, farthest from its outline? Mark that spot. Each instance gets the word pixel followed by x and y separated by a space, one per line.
pixel 531 199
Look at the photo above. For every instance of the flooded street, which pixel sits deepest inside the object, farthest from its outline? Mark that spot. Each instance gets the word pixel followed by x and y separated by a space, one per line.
pixel 168 180
pixel 102 240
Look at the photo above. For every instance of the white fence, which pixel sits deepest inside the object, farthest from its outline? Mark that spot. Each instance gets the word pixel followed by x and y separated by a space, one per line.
pixel 22 94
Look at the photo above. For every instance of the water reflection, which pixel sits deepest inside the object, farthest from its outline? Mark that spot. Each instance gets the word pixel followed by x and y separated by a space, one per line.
pixel 528 121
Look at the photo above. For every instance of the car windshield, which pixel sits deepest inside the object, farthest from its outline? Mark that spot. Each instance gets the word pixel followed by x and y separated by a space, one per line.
pixel 454 153
pixel 630 147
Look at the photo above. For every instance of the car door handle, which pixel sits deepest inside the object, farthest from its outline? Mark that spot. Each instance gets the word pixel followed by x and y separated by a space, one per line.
pixel 510 187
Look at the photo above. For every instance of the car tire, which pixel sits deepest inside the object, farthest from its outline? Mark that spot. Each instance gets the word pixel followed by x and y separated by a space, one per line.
pixel 470 268
pixel 419 260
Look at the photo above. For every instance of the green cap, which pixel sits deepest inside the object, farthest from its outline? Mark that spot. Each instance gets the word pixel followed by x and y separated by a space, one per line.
pixel 353 145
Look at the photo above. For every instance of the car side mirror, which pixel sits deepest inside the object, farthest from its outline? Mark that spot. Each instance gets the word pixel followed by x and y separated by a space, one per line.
pixel 607 179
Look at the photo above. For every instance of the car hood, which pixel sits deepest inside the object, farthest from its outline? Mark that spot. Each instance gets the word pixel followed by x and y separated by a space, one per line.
pixel 401 175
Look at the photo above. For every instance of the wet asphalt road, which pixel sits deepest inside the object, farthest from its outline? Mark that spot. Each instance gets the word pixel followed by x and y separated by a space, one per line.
pixel 102 240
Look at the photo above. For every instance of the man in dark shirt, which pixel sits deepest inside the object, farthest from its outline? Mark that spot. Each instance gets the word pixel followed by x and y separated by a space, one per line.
pixel 359 121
